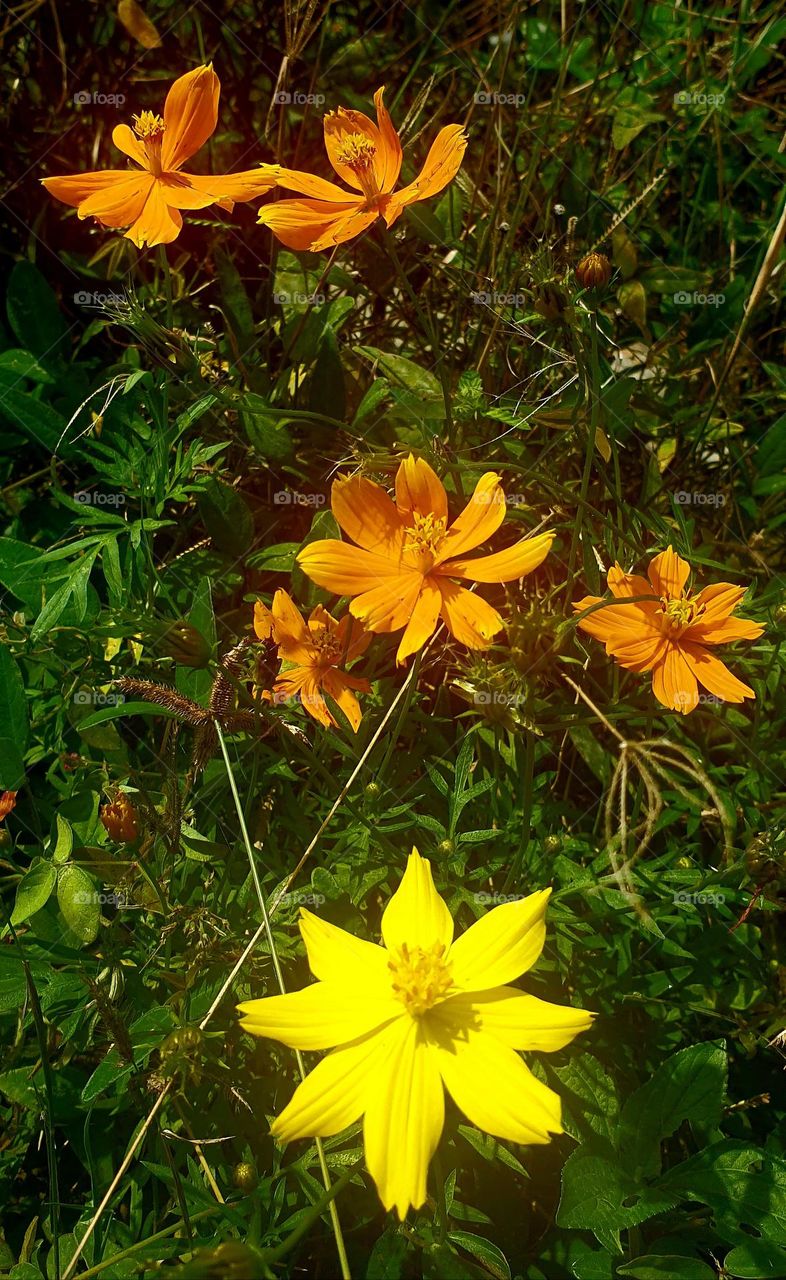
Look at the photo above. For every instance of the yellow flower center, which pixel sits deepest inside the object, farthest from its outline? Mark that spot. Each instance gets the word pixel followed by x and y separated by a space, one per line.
pixel 426 532
pixel 678 614
pixel 357 152
pixel 327 646
pixel 420 978
pixel 148 125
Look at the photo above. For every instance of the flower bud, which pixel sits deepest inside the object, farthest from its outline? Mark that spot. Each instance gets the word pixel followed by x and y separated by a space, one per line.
pixel 244 1176
pixel 7 802
pixel 120 820
pixel 594 271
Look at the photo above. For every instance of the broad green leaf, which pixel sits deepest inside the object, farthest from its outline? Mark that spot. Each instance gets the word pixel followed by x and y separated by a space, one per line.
pixel 33 891
pixel 33 312
pixel 14 728
pixel 598 1196
pixel 79 902
pixel 744 1186
pixel 652 1266
pixel 691 1085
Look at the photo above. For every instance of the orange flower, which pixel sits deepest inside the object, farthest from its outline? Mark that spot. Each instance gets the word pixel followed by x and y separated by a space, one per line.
pixel 367 157
pixel 315 656
pixel 669 633
pixel 148 200
pixel 402 571
pixel 7 803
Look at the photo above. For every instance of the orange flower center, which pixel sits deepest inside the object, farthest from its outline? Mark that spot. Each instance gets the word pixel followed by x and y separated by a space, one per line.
pixel 357 153
pixel 421 978
pixel 425 533
pixel 679 614
pixel 150 128
pixel 327 646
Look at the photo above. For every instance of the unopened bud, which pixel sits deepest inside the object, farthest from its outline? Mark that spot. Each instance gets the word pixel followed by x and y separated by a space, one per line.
pixel 120 820
pixel 7 802
pixel 594 271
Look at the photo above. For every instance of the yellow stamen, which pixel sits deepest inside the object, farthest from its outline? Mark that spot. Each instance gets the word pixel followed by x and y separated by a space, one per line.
pixel 421 978
pixel 426 532
pixel 328 648
pixel 357 151
pixel 148 125
pixel 680 613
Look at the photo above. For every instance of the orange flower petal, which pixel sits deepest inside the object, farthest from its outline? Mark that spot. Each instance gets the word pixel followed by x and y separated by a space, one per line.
pixel 391 145
pixel 190 115
pixel 479 520
pixel 367 515
pixel 264 623
pixel 616 622
pixel 723 632
pixel 336 684
pixel 126 141
pixel 422 622
pixel 196 190
pixel 343 569
pixel 291 632
pixel 623 585
pixel 122 203
pixel 640 654
pixel 420 490
pixel 442 164
pixel 714 674
pixel 314 704
pixel 308 184
pixel 719 600
pixel 301 223
pixel 341 124
pixel 157 223
pixel 504 566
pixel 351 636
pixel 390 606
pixel 346 227
pixel 674 683
pixel 668 574
pixel 468 617
pixel 74 188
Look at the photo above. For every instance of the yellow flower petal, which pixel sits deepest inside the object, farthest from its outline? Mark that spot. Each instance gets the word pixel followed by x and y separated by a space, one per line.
pixel 334 1094
pixel 422 622
pixel 668 574
pixel 389 606
pixel 343 569
pixel 337 956
pixel 420 490
pixel 335 683
pixel 405 1113
pixel 673 682
pixel 519 1020
pixel 714 674
pixel 468 617
pixel 157 223
pixel 500 945
pixel 491 1085
pixel 367 515
pixel 504 566
pixel 190 115
pixel 416 914
pixel 479 520
pixel 320 1016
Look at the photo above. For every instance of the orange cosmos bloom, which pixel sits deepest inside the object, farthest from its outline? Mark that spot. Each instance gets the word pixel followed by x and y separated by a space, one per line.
pixel 148 200
pixel 672 635
pixel 7 803
pixel 402 571
pixel 315 656
pixel 367 157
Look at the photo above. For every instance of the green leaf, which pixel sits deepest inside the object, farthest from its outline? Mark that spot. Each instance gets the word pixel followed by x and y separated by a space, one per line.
pixel 388 1257
pixel 690 1085
pixel 628 123
pixel 14 727
pixel 653 1266
pixel 24 365
pixel 226 517
pixel 74 589
pixel 755 1260
pixel 598 1196
pixel 492 1258
pixel 744 1186
pixel 33 891
pixel 597 1106
pixel 78 901
pixel 405 373
pixel 33 313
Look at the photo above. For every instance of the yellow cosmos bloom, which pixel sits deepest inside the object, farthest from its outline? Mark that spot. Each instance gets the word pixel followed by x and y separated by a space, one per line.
pixel 673 634
pixel 148 200
pixel 314 657
pixel 409 1019
pixel 367 157
pixel 402 571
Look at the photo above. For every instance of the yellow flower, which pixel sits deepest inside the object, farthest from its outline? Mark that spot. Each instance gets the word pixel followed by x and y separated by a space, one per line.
pixel 315 656
pixel 148 199
pixel 409 1019
pixel 402 572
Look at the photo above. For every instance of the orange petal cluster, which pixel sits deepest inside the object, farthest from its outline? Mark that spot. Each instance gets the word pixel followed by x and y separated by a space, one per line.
pixel 367 157
pixel 403 570
pixel 148 199
pixel 671 633
pixel 314 656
